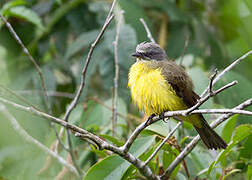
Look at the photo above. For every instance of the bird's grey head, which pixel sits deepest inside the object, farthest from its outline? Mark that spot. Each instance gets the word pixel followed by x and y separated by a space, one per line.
pixel 150 51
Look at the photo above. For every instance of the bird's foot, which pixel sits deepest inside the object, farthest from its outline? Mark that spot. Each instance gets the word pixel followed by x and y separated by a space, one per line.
pixel 162 116
pixel 149 120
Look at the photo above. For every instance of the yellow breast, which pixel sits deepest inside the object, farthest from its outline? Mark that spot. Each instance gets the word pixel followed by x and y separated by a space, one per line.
pixel 150 91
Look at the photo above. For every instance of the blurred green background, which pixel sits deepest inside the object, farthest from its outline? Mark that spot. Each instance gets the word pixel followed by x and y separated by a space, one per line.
pixel 58 34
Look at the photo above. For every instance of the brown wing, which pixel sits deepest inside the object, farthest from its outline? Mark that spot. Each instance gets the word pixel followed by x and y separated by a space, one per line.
pixel 180 81
pixel 182 84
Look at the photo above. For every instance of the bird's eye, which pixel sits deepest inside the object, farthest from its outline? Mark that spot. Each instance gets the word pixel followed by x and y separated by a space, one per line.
pixel 148 54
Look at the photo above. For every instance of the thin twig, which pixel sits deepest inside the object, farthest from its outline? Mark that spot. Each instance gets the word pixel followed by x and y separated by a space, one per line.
pixel 228 68
pixel 35 107
pixel 196 139
pixel 220 111
pixel 84 70
pixel 163 142
pixel 103 144
pixel 115 99
pixel 211 81
pixel 145 170
pixel 32 140
pixel 184 50
pixel 133 136
pixel 192 110
pixel 87 61
pixel 147 30
pixel 39 71
pixel 25 50
pixel 58 139
pixel 79 132
pixel 205 98
pixel 19 97
pixel 140 127
pixel 113 111
pixel 49 93
pixel 83 78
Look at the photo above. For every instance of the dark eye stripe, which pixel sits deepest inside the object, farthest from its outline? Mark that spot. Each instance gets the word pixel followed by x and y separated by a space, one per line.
pixel 148 54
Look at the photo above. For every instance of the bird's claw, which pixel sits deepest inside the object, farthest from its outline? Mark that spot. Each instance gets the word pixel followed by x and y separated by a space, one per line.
pixel 149 120
pixel 162 116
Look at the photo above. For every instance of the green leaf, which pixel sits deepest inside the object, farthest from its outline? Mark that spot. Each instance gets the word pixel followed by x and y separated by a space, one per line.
pixel 76 114
pixel 132 14
pixel 221 156
pixel 210 168
pixel 112 139
pixel 181 176
pixel 113 167
pixel 249 172
pixel 126 45
pixel 236 94
pixel 175 171
pixel 102 153
pixel 109 168
pixel 162 128
pixel 230 173
pixel 93 115
pixel 200 81
pixel 27 14
pixel 245 152
pixel 11 4
pixel 183 140
pixel 229 128
pixel 201 158
pixel 101 116
pixel 168 157
pixel 82 41
pixel 242 132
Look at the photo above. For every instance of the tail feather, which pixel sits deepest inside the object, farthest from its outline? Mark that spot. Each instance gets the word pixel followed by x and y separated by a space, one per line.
pixel 209 137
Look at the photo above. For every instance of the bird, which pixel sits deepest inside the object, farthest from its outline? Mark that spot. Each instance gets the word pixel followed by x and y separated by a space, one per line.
pixel 157 84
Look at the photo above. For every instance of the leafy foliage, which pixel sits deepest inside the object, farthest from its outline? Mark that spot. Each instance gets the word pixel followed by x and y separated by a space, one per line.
pixel 59 33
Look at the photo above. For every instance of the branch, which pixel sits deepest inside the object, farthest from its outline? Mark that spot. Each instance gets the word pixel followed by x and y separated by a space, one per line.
pixel 83 78
pixel 213 93
pixel 184 50
pixel 196 139
pixel 121 151
pixel 39 71
pixel 163 142
pixel 211 81
pixel 115 94
pixel 30 139
pixel 87 61
pixel 192 110
pixel 31 105
pixel 21 98
pixel 25 50
pixel 79 132
pixel 145 170
pixel 147 30
pixel 125 148
pixel 228 68
pixel 218 111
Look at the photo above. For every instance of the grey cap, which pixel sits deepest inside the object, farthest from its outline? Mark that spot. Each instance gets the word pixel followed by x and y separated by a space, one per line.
pixel 150 51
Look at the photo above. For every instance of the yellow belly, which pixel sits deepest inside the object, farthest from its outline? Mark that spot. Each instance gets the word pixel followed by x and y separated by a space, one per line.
pixel 152 93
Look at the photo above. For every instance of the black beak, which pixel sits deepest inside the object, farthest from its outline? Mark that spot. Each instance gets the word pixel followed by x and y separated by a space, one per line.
pixel 136 54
